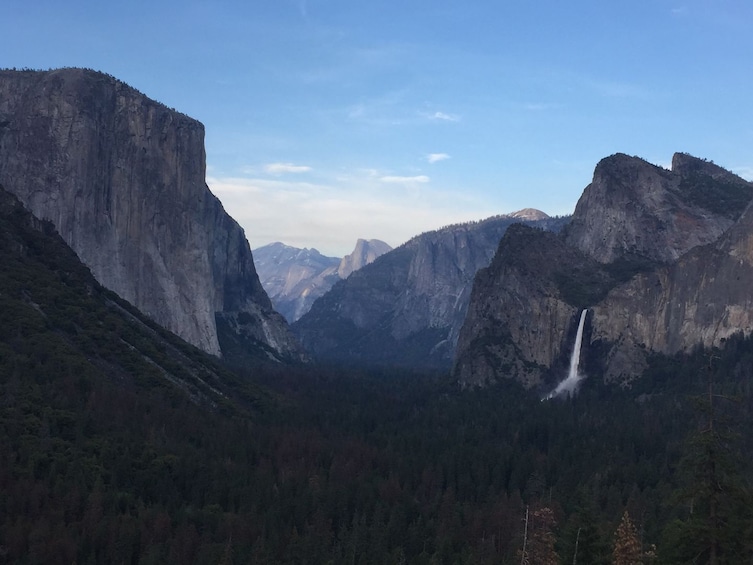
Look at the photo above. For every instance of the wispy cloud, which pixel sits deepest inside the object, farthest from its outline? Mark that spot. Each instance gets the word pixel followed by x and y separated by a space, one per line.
pixel 333 213
pixel 437 157
pixel 540 106
pixel 283 168
pixel 620 90
pixel 421 179
pixel 443 117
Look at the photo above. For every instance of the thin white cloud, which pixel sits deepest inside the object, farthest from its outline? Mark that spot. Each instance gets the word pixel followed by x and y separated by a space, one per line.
pixel 332 214
pixel 540 106
pixel 283 168
pixel 620 90
pixel 422 179
pixel 437 157
pixel 441 116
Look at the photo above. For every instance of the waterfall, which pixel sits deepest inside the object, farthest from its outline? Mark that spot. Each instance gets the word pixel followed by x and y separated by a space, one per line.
pixel 570 383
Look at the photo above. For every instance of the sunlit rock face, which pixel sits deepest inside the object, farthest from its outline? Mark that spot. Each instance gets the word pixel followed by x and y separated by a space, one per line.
pixel 294 278
pixel 661 257
pixel 122 177
pixel 406 308
pixel 635 208
pixel 365 252
pixel 701 299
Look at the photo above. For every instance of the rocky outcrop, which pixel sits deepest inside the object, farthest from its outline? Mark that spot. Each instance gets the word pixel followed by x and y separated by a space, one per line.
pixel 366 251
pixel 406 308
pixel 123 180
pixel 634 208
pixel 294 278
pixel 661 258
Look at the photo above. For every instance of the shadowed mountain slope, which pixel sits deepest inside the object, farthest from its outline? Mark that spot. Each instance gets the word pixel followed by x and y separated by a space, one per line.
pixel 406 308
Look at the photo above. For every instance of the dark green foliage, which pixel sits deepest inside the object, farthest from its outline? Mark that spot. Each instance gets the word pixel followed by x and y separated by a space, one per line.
pixel 582 287
pixel 719 196
pixel 714 501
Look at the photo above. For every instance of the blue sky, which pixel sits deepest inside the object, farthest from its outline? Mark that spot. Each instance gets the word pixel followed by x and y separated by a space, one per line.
pixel 329 120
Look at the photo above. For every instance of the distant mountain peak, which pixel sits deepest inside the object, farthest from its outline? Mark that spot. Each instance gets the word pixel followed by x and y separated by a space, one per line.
pixel 294 278
pixel 530 215
pixel 406 308
pixel 366 251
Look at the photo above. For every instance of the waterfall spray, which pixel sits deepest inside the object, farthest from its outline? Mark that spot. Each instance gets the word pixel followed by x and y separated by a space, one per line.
pixel 570 383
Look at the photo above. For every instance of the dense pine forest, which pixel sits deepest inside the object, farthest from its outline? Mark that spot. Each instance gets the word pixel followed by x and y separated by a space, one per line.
pixel 121 444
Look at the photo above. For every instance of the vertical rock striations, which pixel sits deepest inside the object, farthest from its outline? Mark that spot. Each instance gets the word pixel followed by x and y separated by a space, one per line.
pixel 123 180
pixel 702 299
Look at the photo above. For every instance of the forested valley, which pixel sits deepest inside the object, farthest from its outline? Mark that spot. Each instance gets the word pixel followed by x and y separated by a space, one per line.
pixel 121 444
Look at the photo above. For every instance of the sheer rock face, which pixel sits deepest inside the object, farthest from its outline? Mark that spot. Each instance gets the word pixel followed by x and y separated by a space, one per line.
pixel 662 259
pixel 702 299
pixel 406 308
pixel 123 180
pixel 518 314
pixel 366 251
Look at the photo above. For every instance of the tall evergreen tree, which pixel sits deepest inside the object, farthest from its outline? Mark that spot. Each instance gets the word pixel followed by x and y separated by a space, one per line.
pixel 627 546
pixel 716 515
pixel 538 546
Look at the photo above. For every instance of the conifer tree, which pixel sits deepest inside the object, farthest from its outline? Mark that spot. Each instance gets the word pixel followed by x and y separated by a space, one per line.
pixel 540 539
pixel 627 546
pixel 718 512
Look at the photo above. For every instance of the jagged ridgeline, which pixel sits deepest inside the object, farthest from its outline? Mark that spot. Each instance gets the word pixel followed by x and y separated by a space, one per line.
pixel 663 260
pixel 122 178
pixel 406 308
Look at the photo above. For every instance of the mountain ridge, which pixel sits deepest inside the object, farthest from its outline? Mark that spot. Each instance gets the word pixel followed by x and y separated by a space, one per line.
pixel 407 306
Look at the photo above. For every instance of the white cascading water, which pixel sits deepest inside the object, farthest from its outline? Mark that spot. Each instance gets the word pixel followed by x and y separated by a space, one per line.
pixel 570 383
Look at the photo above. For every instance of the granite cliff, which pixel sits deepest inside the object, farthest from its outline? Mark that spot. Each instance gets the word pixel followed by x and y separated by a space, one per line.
pixel 406 308
pixel 122 178
pixel 294 278
pixel 661 258
pixel 365 252
pixel 634 208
